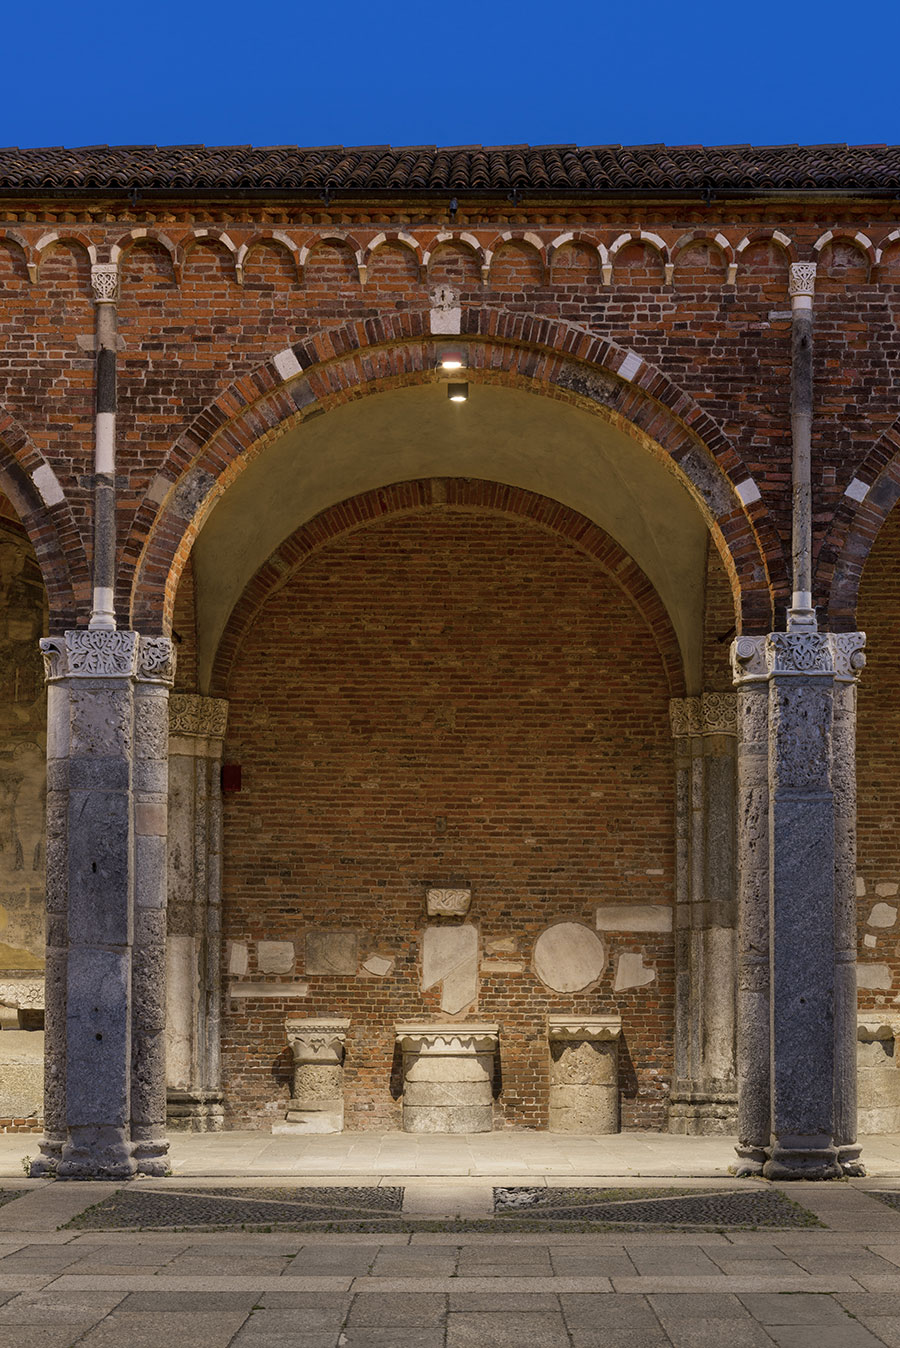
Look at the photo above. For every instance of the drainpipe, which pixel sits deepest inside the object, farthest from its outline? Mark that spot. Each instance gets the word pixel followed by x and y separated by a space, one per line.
pixel 802 615
pixel 105 283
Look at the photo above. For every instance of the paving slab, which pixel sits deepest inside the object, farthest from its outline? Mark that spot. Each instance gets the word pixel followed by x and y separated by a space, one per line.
pixel 484 1329
pixel 850 1335
pixel 150 1329
pixel 586 1311
pixel 423 1311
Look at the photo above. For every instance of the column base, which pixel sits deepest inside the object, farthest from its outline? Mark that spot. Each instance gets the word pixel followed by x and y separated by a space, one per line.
pixel 97 1154
pixel 850 1161
pixel 44 1165
pixel 195 1111
pixel 750 1161
pixel 703 1113
pixel 799 1162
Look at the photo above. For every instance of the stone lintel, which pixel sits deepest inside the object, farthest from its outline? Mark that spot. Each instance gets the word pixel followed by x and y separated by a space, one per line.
pixel 594 1029
pixel 425 1037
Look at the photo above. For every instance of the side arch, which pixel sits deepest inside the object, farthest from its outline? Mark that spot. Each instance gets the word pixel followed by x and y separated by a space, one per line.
pixel 868 499
pixel 46 516
pixel 545 356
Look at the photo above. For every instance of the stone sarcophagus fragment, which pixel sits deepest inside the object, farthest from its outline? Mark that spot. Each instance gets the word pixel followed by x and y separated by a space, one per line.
pixel 317 1094
pixel 448 1075
pixel 584 1073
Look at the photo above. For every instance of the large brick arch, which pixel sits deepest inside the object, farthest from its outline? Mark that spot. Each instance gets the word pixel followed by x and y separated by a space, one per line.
pixel 854 527
pixel 546 356
pixel 51 529
pixel 460 495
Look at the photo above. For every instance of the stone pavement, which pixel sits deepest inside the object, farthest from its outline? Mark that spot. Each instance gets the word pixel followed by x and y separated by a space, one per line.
pixel 834 1286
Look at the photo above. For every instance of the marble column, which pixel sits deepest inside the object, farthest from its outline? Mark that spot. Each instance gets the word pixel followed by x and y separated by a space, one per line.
pixel 194 943
pixel 796 861
pixel 100 783
pixel 704 1091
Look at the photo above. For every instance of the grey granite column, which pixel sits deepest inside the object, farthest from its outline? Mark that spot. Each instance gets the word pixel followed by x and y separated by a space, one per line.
pixel 845 1002
pixel 794 896
pixel 91 904
pixel 704 1093
pixel 194 945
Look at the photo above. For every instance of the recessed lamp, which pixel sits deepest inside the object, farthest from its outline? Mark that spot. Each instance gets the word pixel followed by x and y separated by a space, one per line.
pixel 457 393
pixel 453 362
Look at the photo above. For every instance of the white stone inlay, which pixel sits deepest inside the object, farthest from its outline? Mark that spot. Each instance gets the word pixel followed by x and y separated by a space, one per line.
pixel 568 957
pixel 274 957
pixel 287 364
pixel 631 972
pixel 450 957
pixel 47 484
pixel 873 976
pixel 238 958
pixel 857 490
pixel 747 491
pixel 886 889
pixel 630 366
pixel 634 917
pixel 883 915
pixel 380 965
pixel 448 902
pixel 870 941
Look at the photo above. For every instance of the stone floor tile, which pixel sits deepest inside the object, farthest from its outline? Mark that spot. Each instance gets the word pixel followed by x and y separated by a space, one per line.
pixel 844 1261
pixel 803 1308
pixel 871 1303
pixel 316 1338
pixel 151 1329
pixel 884 1327
pixel 504 1301
pixel 485 1329
pixel 498 1251
pixel 716 1333
pixel 437 1261
pixel 420 1310
pixel 620 1338
pixel 350 1259
pixel 336 1304
pixel 54 1308
pixel 600 1310
pixel 188 1301
pixel 601 1264
pixel 40 1336
pixel 760 1268
pixel 676 1260
pixel 223 1265
pixel 697 1306
pixel 850 1335
pixel 367 1336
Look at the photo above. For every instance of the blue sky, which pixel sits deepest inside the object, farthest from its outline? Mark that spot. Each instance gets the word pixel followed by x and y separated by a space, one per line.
pixel 408 74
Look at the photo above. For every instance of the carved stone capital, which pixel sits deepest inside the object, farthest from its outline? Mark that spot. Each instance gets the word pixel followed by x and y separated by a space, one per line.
pixel 581 1029
pixel 105 282
pixel 448 902
pixel 191 714
pixel 840 654
pixel 317 1041
pixel 802 279
pixel 156 660
pixel 87 654
pixel 22 994
pixel 709 714
pixel 447 1040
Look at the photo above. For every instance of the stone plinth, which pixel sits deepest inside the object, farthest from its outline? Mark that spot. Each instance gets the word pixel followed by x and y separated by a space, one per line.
pixel 448 1073
pixel 879 1078
pixel 584 1073
pixel 317 1095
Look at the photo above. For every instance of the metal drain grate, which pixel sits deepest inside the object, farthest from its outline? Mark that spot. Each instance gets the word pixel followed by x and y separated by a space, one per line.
pixel 234 1206
pixel 642 1208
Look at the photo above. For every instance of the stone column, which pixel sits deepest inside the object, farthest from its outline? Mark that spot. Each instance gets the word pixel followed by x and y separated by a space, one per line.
pixel 96 948
pixel 803 896
pixel 194 944
pixel 448 1073
pixel 584 1073
pixel 704 1092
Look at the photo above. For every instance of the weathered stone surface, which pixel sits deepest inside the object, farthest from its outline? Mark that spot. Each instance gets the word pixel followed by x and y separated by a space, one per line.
pixel 882 915
pixel 631 972
pixel 332 952
pixel 455 1119
pixel 238 958
pixel 583 1064
pixel 275 957
pixel 874 976
pixel 633 917
pixel 568 957
pixel 447 1076
pixel 379 965
pixel 448 902
pixel 583 1109
pixel 21 1074
pixel 450 957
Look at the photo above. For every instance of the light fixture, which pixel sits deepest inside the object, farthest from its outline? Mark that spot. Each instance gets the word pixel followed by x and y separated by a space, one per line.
pixel 451 360
pixel 457 393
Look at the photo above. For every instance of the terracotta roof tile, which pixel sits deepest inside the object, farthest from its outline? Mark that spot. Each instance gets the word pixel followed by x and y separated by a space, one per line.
pixel 472 168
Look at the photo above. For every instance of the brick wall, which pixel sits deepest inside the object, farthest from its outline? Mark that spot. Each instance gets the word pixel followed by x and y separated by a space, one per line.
pixel 448 696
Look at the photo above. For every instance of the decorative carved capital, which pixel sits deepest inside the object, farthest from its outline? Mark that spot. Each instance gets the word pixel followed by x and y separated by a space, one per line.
pixel 156 660
pixel 86 654
pixel 709 714
pixel 802 279
pixel 840 654
pixel 578 1029
pixel 849 655
pixel 191 714
pixel 442 1041
pixel 105 282
pixel 22 994
pixel 317 1041
pixel 448 902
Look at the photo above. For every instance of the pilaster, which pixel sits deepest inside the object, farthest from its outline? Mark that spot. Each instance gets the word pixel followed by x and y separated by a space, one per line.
pixel 704 1096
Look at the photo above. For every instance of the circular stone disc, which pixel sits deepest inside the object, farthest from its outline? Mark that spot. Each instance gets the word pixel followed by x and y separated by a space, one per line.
pixel 568 957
